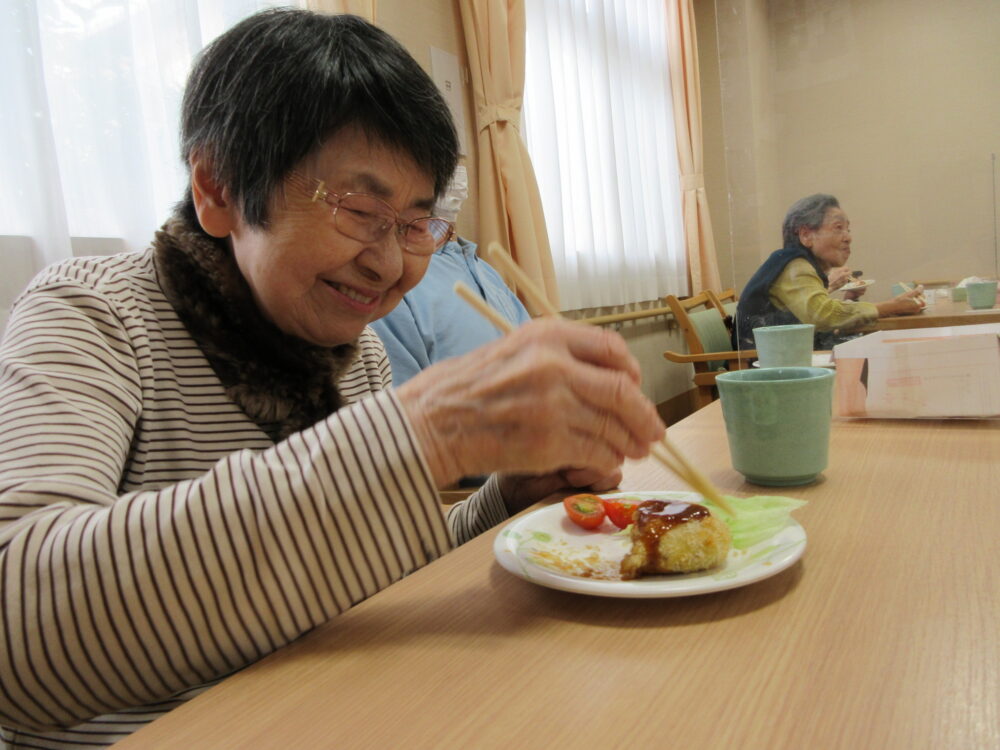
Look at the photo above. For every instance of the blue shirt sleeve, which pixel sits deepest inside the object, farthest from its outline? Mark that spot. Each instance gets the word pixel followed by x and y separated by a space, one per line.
pixel 496 292
pixel 403 343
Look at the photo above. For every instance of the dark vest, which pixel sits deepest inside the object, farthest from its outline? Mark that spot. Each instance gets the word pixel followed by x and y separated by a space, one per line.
pixel 755 308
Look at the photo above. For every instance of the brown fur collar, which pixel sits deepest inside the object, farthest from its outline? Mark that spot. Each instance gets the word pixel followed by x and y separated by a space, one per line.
pixel 283 383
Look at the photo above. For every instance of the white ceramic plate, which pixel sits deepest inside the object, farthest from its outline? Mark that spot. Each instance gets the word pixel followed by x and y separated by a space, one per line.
pixel 546 548
pixel 822 359
pixel 852 286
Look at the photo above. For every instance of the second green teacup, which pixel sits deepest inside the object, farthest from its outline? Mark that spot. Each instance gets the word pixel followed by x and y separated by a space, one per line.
pixel 778 422
pixel 784 346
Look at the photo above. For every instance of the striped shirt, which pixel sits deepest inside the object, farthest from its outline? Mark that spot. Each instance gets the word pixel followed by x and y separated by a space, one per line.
pixel 153 539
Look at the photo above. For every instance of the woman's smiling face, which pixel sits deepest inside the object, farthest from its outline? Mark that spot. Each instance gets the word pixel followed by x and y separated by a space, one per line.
pixel 311 280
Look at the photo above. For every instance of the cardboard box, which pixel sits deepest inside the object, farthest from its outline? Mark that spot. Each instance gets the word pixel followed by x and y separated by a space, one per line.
pixel 921 372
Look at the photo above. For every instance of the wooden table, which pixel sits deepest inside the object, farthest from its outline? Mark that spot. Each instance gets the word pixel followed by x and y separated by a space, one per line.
pixel 885 635
pixel 943 312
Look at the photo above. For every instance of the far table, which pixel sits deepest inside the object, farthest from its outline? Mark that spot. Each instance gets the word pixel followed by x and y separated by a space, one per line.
pixel 942 312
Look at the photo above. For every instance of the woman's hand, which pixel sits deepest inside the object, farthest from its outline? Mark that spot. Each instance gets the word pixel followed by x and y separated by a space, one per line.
pixel 907 303
pixel 521 490
pixel 553 394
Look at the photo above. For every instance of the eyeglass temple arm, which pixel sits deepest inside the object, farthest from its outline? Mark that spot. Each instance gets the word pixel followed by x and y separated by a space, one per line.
pixel 320 192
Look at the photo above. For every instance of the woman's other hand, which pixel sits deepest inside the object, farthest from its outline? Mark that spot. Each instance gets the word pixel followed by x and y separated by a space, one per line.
pixel 907 303
pixel 521 490
pixel 553 394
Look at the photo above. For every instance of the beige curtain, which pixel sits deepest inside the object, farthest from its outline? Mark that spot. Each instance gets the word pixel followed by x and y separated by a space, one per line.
pixel 682 46
pixel 363 8
pixel 510 207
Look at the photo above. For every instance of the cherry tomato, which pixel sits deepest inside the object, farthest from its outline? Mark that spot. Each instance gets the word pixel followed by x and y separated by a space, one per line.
pixel 586 511
pixel 621 509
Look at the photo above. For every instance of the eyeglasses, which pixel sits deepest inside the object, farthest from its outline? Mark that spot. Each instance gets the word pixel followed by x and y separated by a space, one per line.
pixel 365 218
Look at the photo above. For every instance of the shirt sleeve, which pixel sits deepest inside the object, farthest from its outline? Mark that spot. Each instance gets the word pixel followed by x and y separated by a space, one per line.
pixel 116 599
pixel 799 290
pixel 482 510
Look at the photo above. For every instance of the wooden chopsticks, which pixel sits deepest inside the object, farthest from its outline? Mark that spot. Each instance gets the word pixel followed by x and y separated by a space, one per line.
pixel 665 451
pixel 667 454
pixel 482 308
pixel 536 297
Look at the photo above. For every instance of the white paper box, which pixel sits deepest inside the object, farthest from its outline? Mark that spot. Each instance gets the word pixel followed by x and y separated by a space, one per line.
pixel 920 372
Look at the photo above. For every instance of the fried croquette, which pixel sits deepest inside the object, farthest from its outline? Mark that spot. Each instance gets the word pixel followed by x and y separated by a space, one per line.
pixel 671 536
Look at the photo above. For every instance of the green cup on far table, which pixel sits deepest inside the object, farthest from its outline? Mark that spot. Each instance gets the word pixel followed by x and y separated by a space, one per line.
pixel 981 295
pixel 778 422
pixel 784 346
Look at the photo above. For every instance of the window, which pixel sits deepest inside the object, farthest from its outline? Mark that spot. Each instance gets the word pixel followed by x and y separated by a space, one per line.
pixel 90 121
pixel 599 126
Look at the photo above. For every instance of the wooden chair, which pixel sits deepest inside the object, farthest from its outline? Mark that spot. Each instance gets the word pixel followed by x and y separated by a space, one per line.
pixel 701 318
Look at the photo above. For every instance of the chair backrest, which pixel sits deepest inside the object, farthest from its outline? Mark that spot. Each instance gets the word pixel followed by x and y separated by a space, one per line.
pixel 704 329
pixel 725 302
pixel 711 330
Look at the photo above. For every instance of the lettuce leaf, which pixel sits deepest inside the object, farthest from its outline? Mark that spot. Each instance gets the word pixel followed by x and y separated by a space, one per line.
pixel 757 518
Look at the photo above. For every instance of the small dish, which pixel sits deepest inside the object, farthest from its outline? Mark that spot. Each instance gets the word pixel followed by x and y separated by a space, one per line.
pixel 853 286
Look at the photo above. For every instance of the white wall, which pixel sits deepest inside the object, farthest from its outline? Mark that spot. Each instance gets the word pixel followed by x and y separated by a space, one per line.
pixel 892 106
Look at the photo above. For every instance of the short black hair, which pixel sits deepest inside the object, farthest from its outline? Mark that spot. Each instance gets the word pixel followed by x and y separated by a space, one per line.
pixel 274 88
pixel 806 212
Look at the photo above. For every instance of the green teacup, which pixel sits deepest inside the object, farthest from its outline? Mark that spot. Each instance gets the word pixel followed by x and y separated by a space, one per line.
pixel 982 295
pixel 778 422
pixel 784 346
pixel 958 294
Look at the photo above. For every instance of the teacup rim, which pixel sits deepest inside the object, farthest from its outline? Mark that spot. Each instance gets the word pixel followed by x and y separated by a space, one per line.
pixel 735 376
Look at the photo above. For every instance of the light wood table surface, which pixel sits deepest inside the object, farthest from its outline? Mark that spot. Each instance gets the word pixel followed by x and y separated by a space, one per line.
pixel 943 312
pixel 885 635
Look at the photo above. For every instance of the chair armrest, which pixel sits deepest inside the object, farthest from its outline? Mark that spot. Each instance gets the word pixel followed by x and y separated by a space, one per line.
pixel 710 356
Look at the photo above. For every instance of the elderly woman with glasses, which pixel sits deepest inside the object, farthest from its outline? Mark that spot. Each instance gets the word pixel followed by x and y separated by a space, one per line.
pixel 793 285
pixel 203 459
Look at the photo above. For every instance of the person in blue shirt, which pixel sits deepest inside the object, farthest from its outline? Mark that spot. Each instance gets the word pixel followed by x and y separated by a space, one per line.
pixel 432 322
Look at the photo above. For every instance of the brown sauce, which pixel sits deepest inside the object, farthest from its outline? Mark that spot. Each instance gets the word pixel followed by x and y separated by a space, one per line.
pixel 654 518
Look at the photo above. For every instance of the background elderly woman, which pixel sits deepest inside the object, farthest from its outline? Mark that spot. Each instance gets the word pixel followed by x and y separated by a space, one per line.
pixel 793 284
pixel 201 459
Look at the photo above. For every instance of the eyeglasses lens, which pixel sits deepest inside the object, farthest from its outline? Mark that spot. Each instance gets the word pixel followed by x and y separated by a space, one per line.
pixel 367 219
